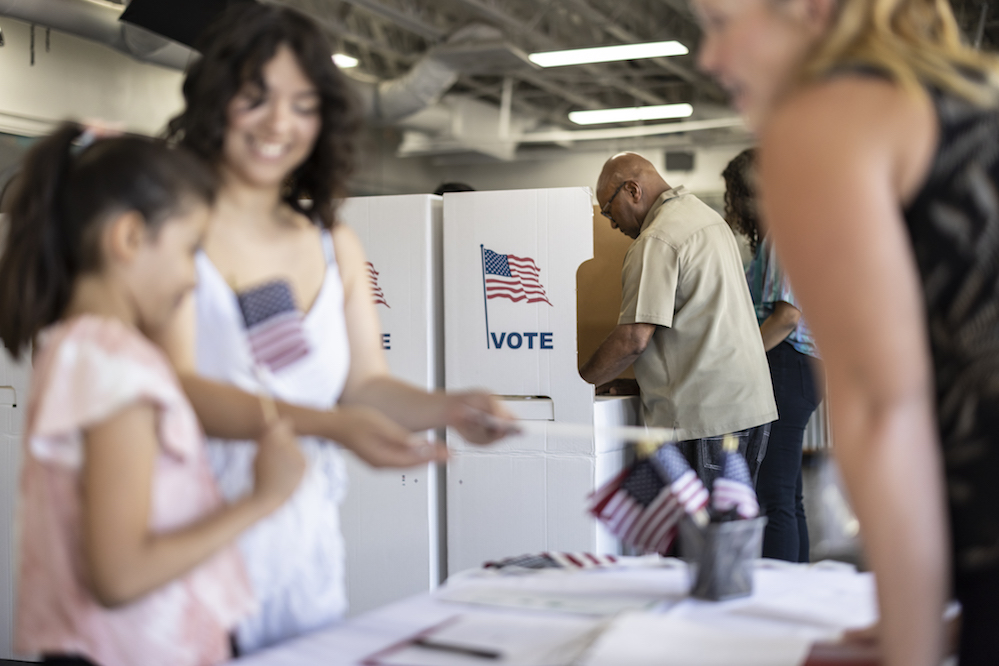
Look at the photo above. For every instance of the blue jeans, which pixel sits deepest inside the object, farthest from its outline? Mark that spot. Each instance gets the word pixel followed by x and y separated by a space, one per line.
pixel 779 483
pixel 706 455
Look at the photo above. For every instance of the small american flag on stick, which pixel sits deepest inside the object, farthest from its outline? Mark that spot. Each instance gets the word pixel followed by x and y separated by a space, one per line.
pixel 512 277
pixel 643 506
pixel 376 290
pixel 734 488
pixel 273 325
pixel 555 561
pixel 684 482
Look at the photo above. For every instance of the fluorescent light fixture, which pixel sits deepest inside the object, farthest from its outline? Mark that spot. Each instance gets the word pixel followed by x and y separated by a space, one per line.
pixel 344 61
pixel 608 54
pixel 631 114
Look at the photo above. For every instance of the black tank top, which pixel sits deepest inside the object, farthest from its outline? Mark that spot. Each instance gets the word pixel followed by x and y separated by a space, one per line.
pixel 954 226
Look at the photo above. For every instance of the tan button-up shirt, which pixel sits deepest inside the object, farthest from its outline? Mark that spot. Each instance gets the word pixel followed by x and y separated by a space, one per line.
pixel 705 371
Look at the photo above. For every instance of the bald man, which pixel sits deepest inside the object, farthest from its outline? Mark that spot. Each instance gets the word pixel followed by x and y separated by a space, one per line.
pixel 687 320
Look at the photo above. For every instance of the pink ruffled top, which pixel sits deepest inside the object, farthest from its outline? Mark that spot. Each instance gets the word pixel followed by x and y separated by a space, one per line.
pixel 87 370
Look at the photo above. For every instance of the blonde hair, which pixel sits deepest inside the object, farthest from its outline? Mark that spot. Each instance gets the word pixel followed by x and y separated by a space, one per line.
pixel 915 42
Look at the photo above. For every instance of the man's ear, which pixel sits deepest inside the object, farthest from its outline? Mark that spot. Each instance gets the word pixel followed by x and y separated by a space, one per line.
pixel 124 236
pixel 634 190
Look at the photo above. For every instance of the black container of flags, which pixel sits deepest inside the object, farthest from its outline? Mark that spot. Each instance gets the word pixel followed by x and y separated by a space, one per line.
pixel 721 555
pixel 660 496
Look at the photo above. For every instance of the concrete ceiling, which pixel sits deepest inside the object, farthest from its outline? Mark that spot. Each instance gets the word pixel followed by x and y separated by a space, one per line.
pixel 387 36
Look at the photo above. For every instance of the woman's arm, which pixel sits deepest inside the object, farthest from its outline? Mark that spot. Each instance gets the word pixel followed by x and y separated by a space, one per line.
pixel 836 162
pixel 780 324
pixel 124 558
pixel 228 412
pixel 369 382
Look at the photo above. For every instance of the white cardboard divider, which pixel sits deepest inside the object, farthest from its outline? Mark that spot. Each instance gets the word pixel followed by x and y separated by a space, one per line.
pixel 510 264
pixel 391 518
pixel 15 380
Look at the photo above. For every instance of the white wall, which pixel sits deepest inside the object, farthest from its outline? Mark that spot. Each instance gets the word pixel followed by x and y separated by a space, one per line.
pixel 379 171
pixel 80 79
pixel 582 169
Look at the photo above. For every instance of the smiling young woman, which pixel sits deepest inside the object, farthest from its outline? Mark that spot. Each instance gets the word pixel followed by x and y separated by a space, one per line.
pixel 268 109
pixel 880 183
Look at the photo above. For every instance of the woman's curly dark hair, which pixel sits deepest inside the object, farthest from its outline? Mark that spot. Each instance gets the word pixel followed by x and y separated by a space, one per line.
pixel 235 49
pixel 741 212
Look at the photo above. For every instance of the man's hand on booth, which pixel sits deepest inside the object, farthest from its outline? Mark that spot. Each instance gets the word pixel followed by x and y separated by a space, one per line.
pixel 621 348
pixel 619 386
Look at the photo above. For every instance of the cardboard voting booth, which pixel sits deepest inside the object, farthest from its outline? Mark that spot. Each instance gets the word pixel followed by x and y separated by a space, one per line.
pixel 510 263
pixel 391 517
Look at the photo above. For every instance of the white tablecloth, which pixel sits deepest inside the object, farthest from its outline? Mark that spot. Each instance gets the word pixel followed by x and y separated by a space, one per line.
pixel 815 602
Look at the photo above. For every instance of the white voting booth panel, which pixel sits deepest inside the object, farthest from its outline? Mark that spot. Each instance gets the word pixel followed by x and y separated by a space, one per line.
pixel 391 517
pixel 14 380
pixel 510 264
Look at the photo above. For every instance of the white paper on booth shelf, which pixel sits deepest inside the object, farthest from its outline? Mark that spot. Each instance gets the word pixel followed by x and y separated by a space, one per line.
pixel 510 263
pixel 391 517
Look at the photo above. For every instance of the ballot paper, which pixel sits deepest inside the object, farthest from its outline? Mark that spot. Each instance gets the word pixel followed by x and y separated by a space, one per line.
pixel 495 638
pixel 812 601
pixel 643 639
pixel 813 596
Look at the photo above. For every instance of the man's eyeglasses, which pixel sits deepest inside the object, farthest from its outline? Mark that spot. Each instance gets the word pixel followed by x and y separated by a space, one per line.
pixel 605 211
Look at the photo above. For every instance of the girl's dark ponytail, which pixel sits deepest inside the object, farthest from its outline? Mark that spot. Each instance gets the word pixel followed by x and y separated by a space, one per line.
pixel 38 263
pixel 61 199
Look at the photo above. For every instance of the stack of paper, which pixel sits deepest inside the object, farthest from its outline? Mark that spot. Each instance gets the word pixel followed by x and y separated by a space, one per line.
pixel 639 584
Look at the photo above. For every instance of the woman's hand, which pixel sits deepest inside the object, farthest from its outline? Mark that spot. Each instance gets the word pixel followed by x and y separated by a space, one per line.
pixel 379 441
pixel 478 416
pixel 279 465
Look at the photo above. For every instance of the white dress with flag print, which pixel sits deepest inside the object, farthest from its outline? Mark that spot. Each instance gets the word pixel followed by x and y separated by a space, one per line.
pixel 259 340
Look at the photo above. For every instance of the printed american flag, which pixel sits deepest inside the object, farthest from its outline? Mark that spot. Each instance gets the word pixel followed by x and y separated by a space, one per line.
pixel 273 325
pixel 513 277
pixel 376 290
pixel 554 561
pixel 643 506
pixel 734 488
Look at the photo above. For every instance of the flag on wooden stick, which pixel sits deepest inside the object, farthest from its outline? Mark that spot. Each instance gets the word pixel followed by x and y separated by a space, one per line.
pixel 733 490
pixel 643 506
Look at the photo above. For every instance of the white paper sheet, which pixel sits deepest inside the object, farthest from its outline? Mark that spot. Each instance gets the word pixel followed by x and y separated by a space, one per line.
pixel 641 583
pixel 515 640
pixel 642 639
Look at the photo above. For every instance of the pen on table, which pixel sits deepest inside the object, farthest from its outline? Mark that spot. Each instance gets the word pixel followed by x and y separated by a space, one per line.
pixel 458 649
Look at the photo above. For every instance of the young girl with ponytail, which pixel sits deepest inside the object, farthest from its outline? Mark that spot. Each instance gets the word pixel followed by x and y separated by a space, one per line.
pixel 125 553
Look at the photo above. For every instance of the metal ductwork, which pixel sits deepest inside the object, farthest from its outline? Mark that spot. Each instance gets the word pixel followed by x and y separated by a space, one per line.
pixel 390 101
pixel 97 20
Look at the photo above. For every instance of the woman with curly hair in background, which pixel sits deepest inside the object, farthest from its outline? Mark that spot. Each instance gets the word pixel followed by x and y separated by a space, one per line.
pixel 792 358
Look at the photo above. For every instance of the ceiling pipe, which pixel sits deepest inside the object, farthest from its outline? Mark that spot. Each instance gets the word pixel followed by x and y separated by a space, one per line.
pixel 389 101
pixel 97 20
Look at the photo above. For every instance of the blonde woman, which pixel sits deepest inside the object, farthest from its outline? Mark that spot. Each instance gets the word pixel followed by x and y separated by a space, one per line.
pixel 879 157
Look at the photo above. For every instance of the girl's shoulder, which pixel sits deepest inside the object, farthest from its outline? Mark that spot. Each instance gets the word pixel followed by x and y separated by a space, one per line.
pixel 86 370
